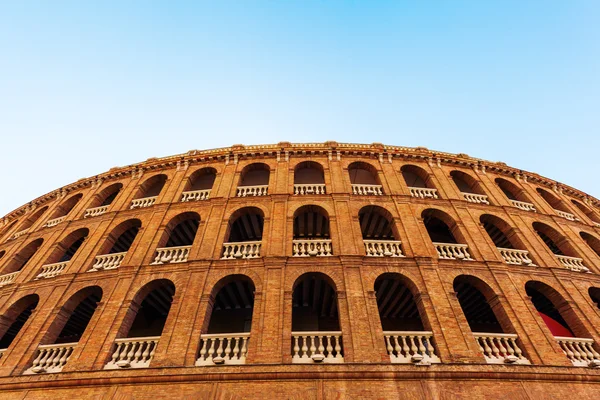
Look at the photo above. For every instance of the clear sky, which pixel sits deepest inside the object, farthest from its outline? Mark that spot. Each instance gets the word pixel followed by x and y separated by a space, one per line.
pixel 86 86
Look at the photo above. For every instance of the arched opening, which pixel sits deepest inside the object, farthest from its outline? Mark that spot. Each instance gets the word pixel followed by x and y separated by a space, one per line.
pixel 316 330
pixel 2 253
pixel 504 237
pixel 8 228
pixel 419 182
pixel 379 233
pixel 470 189
pixel 591 241
pixel 364 179
pixel 30 221
pixel 553 201
pixel 560 246
pixel 311 232
pixel 66 248
pixel 230 320
pixel 202 179
pixel 143 325
pixel 488 321
pixel 117 245
pixel 107 196
pixel 254 180
pixel 148 191
pixel 64 209
pixel 515 195
pixel 309 178
pixel 594 293
pixel 177 239
pixel 589 213
pixel 22 257
pixel 15 318
pixel 244 234
pixel 444 234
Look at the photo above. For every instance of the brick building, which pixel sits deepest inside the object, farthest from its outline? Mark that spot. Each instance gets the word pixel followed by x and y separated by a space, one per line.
pixel 321 270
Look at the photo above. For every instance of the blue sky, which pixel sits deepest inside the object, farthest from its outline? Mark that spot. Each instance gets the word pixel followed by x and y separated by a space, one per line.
pixel 86 86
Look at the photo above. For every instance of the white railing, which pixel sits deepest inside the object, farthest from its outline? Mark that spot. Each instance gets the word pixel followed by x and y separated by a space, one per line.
pixel 523 205
pixel 309 347
pixel 143 202
pixel 244 191
pixel 566 215
pixel 311 188
pixel 55 221
pixel 500 348
pixel 515 257
pixel 452 251
pixel 171 255
pixel 383 248
pixel 423 193
pixel 51 358
pixel 572 263
pixel 20 233
pixel 312 247
pixel 579 350
pixel 410 347
pixel 475 198
pixel 108 261
pixel 93 212
pixel 52 270
pixel 227 348
pixel 195 195
pixel 8 278
pixel 241 250
pixel 133 352
pixel 365 190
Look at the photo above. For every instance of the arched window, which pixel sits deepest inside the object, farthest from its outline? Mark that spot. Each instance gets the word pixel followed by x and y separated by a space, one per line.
pixel 490 325
pixel 589 213
pixel 364 179
pixel 63 253
pixel 148 191
pixel 506 240
pixel 469 188
pixel 244 234
pixel 21 258
pixel 143 325
pixel 379 233
pixel 557 204
pixel 2 253
pixel 8 228
pixel 117 245
pixel 311 232
pixel 177 239
pixel 419 182
pixel 199 185
pixel 225 339
pixel 316 335
pixel 591 241
pixel 61 212
pixel 309 178
pixel 15 317
pixel 594 293
pixel 445 235
pixel 515 195
pixel 254 180
pixel 30 221
pixel 406 339
pixel 564 252
pixel 66 331
pixel 102 200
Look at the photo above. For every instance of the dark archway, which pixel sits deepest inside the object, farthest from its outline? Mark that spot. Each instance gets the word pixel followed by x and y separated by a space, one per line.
pixel 244 234
pixel 15 318
pixel 22 257
pixel 177 239
pixel 508 243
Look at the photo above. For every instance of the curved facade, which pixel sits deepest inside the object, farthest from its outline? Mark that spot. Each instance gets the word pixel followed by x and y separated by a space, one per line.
pixel 321 270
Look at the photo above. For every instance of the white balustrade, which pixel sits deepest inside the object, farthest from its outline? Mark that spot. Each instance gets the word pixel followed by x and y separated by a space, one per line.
pixel 20 233
pixel 566 215
pixel 597 224
pixel 423 193
pixel 312 188
pixel 108 261
pixel 310 347
pixel 133 352
pixel 579 350
pixel 227 348
pixel 195 195
pixel 172 255
pixel 516 257
pixel 312 247
pixel 367 190
pixel 383 248
pixel 452 251
pixel 94 212
pixel 241 250
pixel 572 263
pixel 51 358
pixel 143 202
pixel 52 270
pixel 500 348
pixel 523 205
pixel 8 278
pixel 410 347
pixel 244 191
pixel 475 198
pixel 55 221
